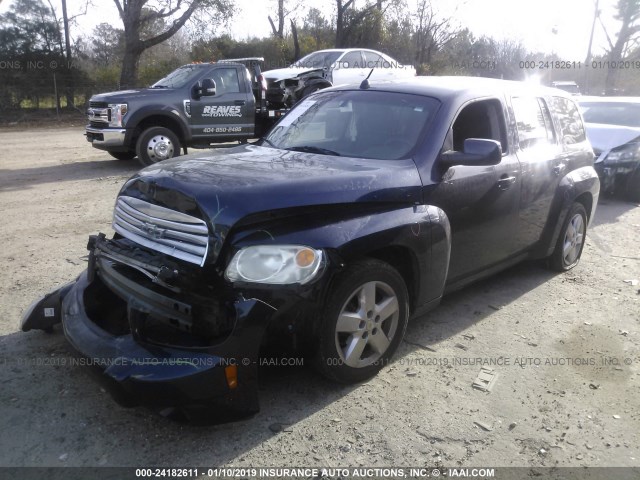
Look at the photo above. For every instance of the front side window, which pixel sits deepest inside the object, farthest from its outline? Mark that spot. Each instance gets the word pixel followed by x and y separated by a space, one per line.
pixel 226 80
pixel 482 119
pixel 351 60
pixel 360 124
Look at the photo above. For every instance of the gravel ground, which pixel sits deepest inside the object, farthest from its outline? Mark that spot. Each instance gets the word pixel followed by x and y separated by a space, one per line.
pixel 566 393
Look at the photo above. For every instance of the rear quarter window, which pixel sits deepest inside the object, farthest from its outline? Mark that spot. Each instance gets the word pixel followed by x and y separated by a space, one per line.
pixel 569 120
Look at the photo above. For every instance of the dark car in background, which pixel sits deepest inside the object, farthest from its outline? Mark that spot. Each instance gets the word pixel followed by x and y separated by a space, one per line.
pixel 613 128
pixel 360 209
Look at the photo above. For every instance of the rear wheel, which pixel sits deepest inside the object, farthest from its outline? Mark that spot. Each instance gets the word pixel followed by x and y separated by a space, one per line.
pixel 363 322
pixel 157 144
pixel 123 155
pixel 571 240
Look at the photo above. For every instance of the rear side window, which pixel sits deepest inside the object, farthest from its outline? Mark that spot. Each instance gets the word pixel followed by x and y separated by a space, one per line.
pixel 533 121
pixel 571 127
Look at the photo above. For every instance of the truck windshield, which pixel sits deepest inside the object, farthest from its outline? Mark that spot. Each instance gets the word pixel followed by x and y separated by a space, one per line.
pixel 361 124
pixel 179 77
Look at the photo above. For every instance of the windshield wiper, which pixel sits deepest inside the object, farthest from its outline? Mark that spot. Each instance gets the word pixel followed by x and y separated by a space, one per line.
pixel 265 140
pixel 312 149
pixel 159 86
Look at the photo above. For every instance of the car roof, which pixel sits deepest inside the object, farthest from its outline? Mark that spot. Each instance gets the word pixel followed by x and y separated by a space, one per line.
pixel 455 86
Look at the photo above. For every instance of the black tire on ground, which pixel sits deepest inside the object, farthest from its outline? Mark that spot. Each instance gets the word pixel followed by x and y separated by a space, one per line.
pixel 363 322
pixel 123 155
pixel 632 186
pixel 570 241
pixel 157 144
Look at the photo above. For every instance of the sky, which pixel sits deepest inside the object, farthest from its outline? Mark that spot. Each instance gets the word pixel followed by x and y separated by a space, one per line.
pixel 550 26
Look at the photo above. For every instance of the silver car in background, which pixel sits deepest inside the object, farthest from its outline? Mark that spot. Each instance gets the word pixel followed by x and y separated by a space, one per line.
pixel 613 128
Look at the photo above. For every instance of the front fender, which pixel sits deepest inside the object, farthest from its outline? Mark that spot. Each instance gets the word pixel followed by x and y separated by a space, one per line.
pixel 170 112
pixel 421 231
pixel 581 184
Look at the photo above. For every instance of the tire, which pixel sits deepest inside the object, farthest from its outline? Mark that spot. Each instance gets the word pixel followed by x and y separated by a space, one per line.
pixel 347 325
pixel 123 155
pixel 571 240
pixel 632 186
pixel 157 144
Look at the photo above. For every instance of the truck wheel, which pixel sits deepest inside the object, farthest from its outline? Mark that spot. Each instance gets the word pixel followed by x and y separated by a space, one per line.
pixel 632 187
pixel 157 144
pixel 571 240
pixel 363 322
pixel 123 155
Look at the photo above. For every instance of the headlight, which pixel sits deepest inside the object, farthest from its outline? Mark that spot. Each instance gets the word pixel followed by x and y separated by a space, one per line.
pixel 275 264
pixel 623 154
pixel 118 111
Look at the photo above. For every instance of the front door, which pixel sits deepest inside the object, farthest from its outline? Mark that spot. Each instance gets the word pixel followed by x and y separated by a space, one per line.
pixel 227 114
pixel 481 202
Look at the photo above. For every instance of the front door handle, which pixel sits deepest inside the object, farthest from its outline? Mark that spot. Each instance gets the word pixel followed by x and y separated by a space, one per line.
pixel 505 182
pixel 240 102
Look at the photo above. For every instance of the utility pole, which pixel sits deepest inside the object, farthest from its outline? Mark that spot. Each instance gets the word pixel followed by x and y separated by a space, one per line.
pixel 587 61
pixel 67 44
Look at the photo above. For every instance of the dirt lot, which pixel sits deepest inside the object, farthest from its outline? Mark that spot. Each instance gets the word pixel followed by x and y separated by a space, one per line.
pixel 555 403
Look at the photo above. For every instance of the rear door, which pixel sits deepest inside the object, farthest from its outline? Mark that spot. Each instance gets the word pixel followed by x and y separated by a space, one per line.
pixel 230 112
pixel 540 155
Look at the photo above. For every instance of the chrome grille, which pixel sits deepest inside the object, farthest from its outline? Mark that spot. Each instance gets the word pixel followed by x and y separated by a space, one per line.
pixel 162 229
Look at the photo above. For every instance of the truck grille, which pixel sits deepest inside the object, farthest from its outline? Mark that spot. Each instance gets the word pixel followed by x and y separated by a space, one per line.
pixel 162 229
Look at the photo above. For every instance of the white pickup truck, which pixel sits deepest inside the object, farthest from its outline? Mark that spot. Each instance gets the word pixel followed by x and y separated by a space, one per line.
pixel 326 68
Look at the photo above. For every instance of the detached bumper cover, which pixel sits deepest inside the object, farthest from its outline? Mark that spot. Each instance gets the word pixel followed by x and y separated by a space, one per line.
pixel 139 373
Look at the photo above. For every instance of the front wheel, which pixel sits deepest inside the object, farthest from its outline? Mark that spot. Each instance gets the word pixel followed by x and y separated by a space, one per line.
pixel 157 144
pixel 363 322
pixel 571 240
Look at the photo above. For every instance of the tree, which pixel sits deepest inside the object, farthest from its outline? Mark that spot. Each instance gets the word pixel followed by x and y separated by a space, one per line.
pixel 138 15
pixel 628 13
pixel 349 19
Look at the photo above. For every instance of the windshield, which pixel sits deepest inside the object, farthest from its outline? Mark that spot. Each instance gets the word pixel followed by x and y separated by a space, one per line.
pixel 317 60
pixel 613 113
pixel 179 77
pixel 361 124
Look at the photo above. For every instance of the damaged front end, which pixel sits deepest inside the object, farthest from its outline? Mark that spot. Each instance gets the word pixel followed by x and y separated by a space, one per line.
pixel 286 92
pixel 161 332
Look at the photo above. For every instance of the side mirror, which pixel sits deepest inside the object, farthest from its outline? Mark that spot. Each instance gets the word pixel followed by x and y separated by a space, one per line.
pixel 477 152
pixel 208 87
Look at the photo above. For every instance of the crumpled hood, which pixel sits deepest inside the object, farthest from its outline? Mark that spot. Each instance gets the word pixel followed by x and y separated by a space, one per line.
pixel 225 185
pixel 286 73
pixel 605 137
pixel 123 96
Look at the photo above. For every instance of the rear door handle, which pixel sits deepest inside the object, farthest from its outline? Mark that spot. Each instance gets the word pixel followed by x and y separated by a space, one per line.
pixel 505 182
pixel 240 102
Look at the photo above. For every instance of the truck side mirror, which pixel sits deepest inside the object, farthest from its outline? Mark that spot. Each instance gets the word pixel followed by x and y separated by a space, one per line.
pixel 208 88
